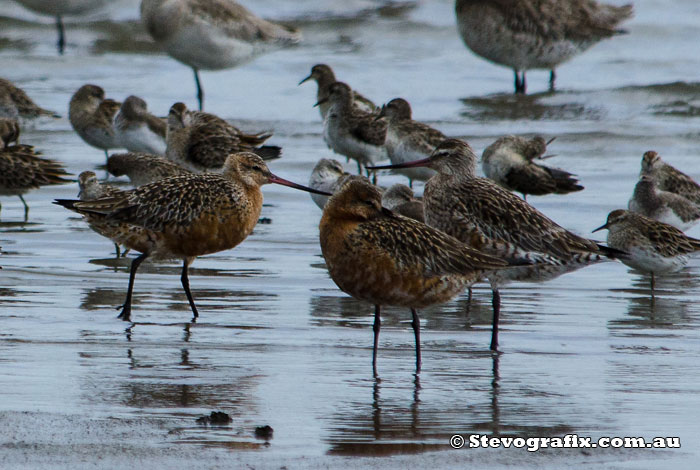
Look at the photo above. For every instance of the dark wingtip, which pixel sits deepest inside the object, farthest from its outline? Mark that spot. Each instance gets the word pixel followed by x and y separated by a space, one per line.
pixel 269 152
pixel 612 253
pixel 67 203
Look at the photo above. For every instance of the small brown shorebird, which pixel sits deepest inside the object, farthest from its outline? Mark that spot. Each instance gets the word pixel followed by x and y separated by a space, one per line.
pixel 509 161
pixel 91 189
pixel 201 141
pixel 351 132
pixel 16 104
pixel 536 34
pixel 186 216
pixel 211 34
pixel 9 131
pixel 408 140
pixel 22 169
pixel 399 198
pixel 379 257
pixel 490 218
pixel 651 246
pixel 663 206
pixel 91 116
pixel 137 130
pixel 324 77
pixel 329 176
pixel 143 168
pixel 668 178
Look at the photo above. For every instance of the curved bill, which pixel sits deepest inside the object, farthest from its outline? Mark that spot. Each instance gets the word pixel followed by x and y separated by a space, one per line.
pixel 413 164
pixel 277 180
pixel 321 101
pixel 605 225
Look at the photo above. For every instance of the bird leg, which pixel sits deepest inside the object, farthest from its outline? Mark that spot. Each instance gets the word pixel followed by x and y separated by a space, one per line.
pixel 416 332
pixel 653 283
pixel 519 82
pixel 61 35
pixel 186 285
pixel 200 92
pixel 552 79
pixel 376 327
pixel 116 248
pixel 496 302
pixel 125 314
pixel 26 208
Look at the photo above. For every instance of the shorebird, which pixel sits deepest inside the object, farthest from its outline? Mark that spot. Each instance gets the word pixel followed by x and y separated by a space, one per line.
pixel 668 178
pixel 536 34
pixel 408 140
pixel 91 189
pixel 137 130
pixel 379 257
pixel 399 198
pixel 328 176
pixel 651 246
pixel 186 216
pixel 9 131
pixel 21 170
pixel 16 104
pixel 663 206
pixel 91 116
pixel 211 34
pixel 60 8
pixel 143 168
pixel 509 161
pixel 490 218
pixel 351 132
pixel 201 141
pixel 324 77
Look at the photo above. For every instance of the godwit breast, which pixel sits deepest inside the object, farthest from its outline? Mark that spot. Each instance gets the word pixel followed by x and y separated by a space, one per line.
pixel 187 216
pixel 385 259
pixel 651 246
pixel 91 116
pixel 21 170
pixel 491 218
pixel 351 132
pixel 509 161
pixel 663 206
pixel 202 141
pixel 143 168
pixel 211 34
pixel 408 140
pixel 668 178
pixel 60 8
pixel 399 198
pixel 324 77
pixel 16 104
pixel 536 34
pixel 137 130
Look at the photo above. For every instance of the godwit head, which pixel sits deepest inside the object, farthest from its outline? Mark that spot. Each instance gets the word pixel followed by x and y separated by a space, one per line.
pixel 453 157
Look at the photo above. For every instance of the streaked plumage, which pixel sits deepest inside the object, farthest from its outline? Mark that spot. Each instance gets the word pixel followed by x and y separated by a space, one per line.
pixel 22 169
pixel 386 259
pixel 536 34
pixel 143 168
pixel 9 131
pixel 91 116
pixel 187 216
pixel 509 161
pixel 211 34
pixel 16 104
pixel 668 178
pixel 650 246
pixel 663 206
pixel 137 130
pixel 324 77
pixel 399 198
pixel 351 132
pixel 408 140
pixel 201 141
pixel 494 220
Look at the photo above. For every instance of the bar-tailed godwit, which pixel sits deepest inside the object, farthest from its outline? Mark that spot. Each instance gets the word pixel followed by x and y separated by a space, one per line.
pixel 143 168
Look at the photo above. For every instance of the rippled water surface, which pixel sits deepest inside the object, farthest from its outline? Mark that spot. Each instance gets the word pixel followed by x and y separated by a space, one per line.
pixel 277 343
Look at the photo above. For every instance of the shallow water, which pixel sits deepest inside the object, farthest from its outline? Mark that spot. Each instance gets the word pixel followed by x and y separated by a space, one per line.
pixel 277 343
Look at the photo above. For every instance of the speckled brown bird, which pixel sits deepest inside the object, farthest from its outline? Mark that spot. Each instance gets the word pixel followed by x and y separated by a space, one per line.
pixel 324 77
pixel 387 259
pixel 143 168
pixel 536 34
pixel 137 130
pixel 16 104
pixel 201 141
pixel 664 206
pixel 651 246
pixel 509 161
pixel 22 169
pixel 490 218
pixel 187 216
pixel 9 131
pixel 399 198
pixel 91 116
pixel 668 178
